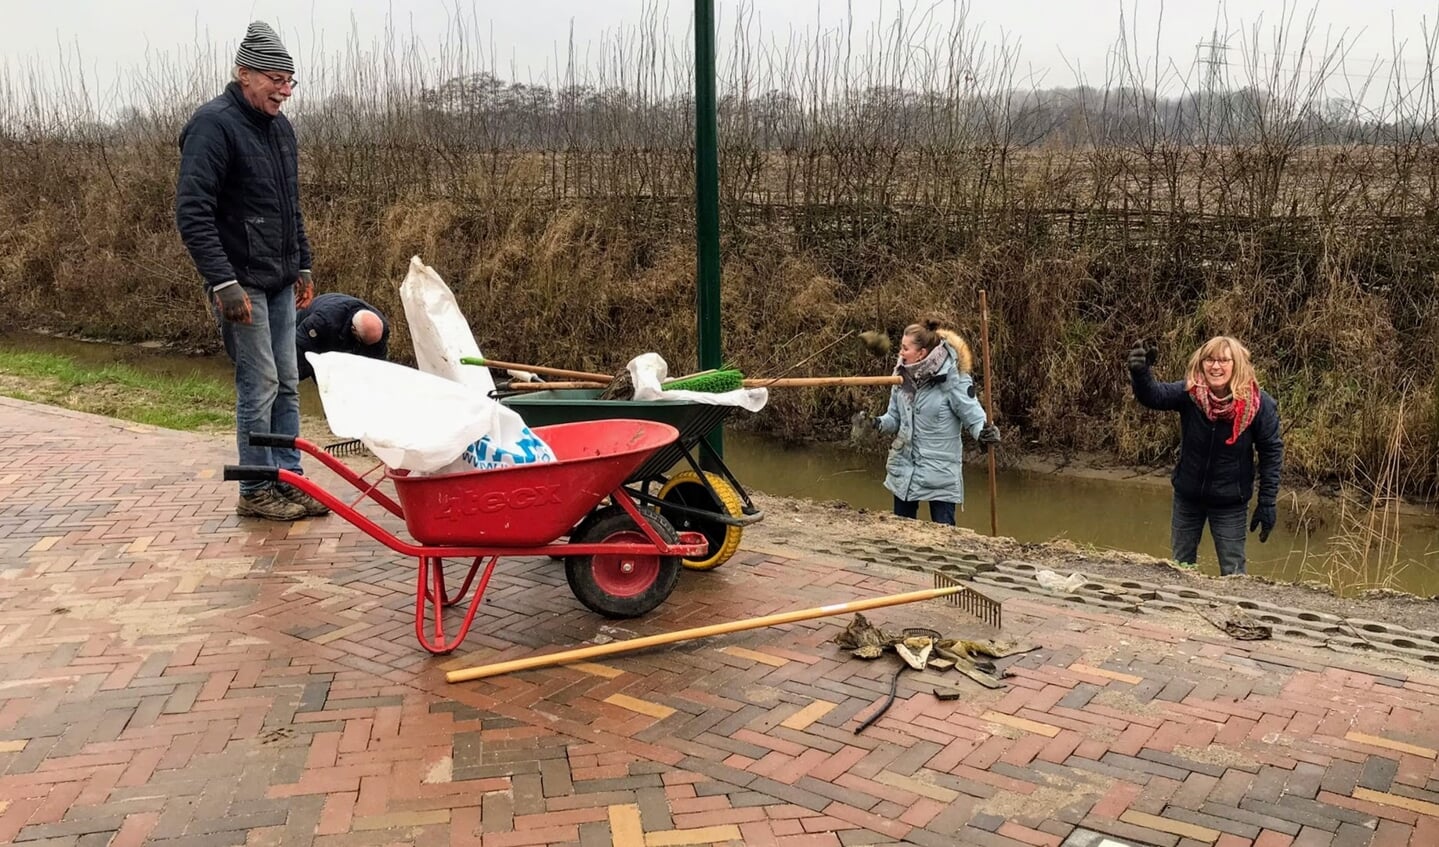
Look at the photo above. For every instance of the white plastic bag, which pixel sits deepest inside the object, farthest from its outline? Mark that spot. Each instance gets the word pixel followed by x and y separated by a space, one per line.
pixel 442 338
pixel 418 421
pixel 438 330
pixel 408 419
pixel 648 372
pixel 1052 581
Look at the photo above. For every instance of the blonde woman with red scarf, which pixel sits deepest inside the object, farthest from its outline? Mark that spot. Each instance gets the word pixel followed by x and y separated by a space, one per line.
pixel 1225 420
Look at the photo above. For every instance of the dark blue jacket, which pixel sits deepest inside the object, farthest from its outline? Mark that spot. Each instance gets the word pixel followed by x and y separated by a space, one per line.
pixel 237 201
pixel 324 327
pixel 1210 471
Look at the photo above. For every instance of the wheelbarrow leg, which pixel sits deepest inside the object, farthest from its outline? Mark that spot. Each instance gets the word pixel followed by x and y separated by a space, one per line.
pixel 430 591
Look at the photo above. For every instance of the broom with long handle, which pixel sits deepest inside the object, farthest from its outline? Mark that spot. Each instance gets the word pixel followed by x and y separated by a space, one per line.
pixel 955 594
pixel 988 405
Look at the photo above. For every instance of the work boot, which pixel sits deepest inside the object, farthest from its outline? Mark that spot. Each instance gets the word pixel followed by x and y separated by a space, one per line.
pixel 268 504
pixel 313 508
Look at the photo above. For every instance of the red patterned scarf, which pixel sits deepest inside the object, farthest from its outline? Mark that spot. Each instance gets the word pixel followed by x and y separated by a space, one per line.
pixel 1239 410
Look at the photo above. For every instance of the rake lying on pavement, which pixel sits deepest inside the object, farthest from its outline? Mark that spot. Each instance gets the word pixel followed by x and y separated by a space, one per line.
pixel 961 596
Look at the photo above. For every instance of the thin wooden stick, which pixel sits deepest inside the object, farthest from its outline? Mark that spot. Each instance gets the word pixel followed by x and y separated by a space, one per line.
pixel 613 647
pixel 988 404
pixel 538 369
pixel 548 386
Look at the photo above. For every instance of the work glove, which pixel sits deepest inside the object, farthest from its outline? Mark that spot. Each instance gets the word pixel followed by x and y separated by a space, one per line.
pixel 304 290
pixel 234 303
pixel 1264 519
pixel 1142 358
pixel 989 435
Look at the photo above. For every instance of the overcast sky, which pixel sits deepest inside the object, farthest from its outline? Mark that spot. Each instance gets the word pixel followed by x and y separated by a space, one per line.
pixel 1058 39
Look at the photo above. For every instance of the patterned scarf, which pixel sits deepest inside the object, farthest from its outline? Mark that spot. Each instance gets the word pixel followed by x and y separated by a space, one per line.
pixel 1240 411
pixel 913 376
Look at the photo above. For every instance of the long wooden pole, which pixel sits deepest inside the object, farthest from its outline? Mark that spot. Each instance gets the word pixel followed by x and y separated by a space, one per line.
pixel 779 382
pixel 813 381
pixel 613 647
pixel 988 405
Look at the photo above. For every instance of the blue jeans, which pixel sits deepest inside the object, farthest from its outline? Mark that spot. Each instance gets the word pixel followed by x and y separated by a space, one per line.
pixel 939 511
pixel 267 379
pixel 1226 524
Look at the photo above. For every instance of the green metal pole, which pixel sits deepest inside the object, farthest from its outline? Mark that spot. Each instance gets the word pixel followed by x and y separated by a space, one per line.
pixel 707 276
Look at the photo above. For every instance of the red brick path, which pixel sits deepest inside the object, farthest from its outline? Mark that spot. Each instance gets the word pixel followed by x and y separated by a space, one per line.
pixel 172 675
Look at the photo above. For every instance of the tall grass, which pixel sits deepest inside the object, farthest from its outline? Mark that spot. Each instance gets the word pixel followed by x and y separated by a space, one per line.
pixel 870 174
pixel 1364 553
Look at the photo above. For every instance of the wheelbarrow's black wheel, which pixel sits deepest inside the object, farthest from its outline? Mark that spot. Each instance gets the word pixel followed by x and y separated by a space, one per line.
pixel 622 586
pixel 686 489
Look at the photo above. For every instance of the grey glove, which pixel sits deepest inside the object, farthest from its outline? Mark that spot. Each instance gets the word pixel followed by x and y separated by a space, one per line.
pixel 989 434
pixel 862 426
pixel 234 303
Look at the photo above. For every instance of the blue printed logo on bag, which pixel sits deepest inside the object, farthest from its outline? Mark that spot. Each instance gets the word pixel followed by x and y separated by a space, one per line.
pixel 484 455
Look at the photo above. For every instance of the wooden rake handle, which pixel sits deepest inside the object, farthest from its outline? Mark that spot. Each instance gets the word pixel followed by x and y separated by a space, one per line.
pixel 539 369
pixel 584 653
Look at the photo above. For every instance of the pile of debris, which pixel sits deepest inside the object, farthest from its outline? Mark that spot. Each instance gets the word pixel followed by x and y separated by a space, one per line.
pixel 925 649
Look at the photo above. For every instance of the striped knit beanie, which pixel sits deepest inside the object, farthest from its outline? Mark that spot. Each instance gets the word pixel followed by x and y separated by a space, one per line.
pixel 262 50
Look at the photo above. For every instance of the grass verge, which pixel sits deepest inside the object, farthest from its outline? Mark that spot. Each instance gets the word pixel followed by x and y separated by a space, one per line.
pixel 118 391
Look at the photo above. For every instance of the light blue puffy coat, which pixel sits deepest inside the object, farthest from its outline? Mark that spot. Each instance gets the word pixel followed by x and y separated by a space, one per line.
pixel 925 460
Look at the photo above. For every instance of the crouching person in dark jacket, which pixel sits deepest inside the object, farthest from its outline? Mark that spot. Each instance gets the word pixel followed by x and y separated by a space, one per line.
pixel 339 323
pixel 1225 419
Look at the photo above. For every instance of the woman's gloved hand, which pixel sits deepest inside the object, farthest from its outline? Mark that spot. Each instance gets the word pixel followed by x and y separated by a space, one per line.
pixel 1143 356
pixel 989 434
pixel 862 426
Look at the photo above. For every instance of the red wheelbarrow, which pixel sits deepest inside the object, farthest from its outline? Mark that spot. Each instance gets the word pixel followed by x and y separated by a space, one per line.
pixel 624 563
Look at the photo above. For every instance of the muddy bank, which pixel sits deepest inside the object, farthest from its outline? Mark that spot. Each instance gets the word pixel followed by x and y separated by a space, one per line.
pixel 802 525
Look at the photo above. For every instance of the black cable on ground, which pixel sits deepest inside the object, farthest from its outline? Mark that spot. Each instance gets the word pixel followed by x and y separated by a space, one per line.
pixel 893 687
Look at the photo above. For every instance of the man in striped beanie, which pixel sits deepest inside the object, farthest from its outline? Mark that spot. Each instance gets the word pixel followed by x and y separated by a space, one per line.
pixel 237 207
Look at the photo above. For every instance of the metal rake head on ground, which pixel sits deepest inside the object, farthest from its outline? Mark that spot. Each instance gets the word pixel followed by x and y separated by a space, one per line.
pixel 970 601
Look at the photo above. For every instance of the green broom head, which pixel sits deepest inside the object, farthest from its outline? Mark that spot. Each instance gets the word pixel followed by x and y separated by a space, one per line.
pixel 708 382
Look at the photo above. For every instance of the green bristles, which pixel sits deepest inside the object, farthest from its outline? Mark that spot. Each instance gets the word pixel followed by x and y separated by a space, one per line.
pixel 708 382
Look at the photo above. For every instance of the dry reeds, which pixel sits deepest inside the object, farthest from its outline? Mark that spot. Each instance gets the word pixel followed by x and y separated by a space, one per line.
pixel 1364 551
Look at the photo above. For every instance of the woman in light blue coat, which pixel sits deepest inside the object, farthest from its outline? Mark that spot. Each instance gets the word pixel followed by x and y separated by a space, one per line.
pixel 930 409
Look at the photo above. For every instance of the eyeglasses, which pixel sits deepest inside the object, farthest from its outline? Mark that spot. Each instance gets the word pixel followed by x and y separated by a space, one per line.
pixel 1218 361
pixel 281 81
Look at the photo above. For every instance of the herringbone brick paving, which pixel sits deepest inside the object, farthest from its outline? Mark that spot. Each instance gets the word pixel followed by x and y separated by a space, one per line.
pixel 173 675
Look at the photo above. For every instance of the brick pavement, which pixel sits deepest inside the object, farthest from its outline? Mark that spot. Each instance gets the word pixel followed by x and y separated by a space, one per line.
pixel 172 675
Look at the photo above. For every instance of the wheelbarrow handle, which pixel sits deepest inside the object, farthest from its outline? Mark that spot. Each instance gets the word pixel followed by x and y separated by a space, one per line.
pixel 271 439
pixel 251 473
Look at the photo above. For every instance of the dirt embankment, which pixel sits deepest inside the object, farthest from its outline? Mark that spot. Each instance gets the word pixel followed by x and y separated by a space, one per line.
pixel 803 525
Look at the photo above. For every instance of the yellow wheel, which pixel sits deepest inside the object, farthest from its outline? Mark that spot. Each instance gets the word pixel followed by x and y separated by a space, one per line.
pixel 686 489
